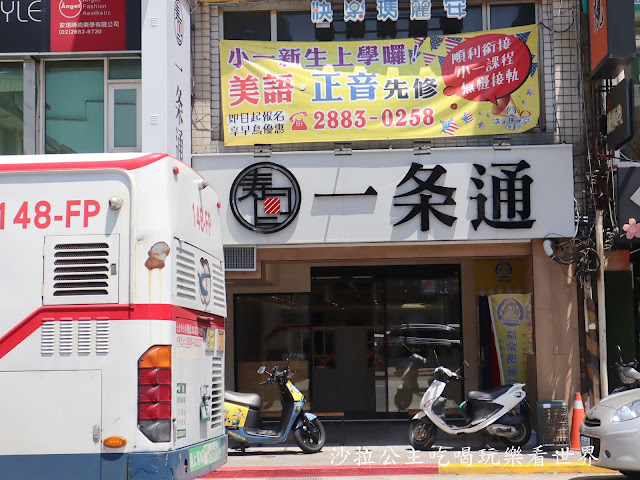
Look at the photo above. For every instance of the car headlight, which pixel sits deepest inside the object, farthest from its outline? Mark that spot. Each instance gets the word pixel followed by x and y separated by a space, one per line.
pixel 627 412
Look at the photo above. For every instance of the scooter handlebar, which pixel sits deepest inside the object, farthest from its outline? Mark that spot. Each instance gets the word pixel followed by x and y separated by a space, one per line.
pixel 419 357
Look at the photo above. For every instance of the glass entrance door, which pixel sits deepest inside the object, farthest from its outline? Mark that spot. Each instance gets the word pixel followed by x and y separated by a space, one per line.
pixel 346 315
pixel 367 321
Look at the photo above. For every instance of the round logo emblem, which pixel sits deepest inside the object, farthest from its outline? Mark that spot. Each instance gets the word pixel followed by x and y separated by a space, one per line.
pixel 511 111
pixel 70 8
pixel 503 270
pixel 204 281
pixel 265 197
pixel 177 21
pixel 510 312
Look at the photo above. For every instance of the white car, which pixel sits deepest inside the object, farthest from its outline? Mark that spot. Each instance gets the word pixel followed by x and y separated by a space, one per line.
pixel 611 433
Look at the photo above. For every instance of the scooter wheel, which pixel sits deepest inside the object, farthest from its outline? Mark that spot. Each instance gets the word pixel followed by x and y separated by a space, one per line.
pixel 310 436
pixel 402 399
pixel 422 434
pixel 522 437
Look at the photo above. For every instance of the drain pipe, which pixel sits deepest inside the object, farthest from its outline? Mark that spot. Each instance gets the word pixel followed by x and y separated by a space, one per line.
pixel 602 316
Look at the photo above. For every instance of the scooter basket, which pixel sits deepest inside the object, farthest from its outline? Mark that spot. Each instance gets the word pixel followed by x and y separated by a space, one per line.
pixel 553 424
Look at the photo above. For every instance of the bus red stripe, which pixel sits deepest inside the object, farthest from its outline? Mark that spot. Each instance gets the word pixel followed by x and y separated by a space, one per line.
pixel 127 164
pixel 48 313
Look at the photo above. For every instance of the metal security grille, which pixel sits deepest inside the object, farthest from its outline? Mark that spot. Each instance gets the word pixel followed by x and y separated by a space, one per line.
pixel 240 259
pixel 81 270
pixel 217 392
pixel 185 274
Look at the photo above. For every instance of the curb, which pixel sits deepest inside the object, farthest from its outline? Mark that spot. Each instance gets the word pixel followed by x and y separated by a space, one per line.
pixel 486 468
pixel 323 471
pixel 291 471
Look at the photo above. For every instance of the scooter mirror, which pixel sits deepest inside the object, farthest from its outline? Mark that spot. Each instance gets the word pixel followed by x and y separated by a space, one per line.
pixel 261 370
pixel 466 364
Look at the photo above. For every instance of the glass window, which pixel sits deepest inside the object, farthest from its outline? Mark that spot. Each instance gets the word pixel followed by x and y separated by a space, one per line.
pixel 247 25
pixel 505 16
pixel 74 111
pixel 129 69
pixel 125 118
pixel 295 26
pixel 11 100
pixel 423 316
pixel 267 329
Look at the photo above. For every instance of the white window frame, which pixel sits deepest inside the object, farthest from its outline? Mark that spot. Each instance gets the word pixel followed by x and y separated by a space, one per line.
pixel 112 86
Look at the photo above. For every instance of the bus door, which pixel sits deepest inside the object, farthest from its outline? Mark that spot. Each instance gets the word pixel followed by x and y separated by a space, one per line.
pixel 36 430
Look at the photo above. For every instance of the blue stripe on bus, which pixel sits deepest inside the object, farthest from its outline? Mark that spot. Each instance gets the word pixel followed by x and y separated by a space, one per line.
pixel 171 465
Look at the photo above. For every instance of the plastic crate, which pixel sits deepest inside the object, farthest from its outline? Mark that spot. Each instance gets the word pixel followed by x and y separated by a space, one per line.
pixel 553 424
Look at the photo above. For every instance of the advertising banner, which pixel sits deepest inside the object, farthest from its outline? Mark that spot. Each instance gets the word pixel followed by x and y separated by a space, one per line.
pixel 511 322
pixel 483 83
pixel 88 26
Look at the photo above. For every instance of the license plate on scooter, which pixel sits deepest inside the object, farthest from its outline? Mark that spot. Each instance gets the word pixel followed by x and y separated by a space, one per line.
pixel 585 442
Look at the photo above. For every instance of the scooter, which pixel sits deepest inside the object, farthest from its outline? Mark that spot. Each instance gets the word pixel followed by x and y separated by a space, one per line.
pixel 242 415
pixel 409 385
pixel 493 412
pixel 628 373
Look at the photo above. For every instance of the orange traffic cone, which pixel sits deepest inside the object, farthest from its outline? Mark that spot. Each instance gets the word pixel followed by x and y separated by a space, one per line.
pixel 576 421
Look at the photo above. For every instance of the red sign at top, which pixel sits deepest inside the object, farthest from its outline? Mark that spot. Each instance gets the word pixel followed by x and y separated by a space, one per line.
pixel 88 25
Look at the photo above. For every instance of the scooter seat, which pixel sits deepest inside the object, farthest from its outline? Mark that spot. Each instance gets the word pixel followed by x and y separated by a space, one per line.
pixel 249 399
pixel 489 396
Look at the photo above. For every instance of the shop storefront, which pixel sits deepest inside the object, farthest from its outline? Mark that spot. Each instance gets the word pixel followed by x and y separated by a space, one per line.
pixel 352 262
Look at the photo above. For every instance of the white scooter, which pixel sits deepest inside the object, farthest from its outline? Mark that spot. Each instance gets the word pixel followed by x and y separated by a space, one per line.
pixel 493 412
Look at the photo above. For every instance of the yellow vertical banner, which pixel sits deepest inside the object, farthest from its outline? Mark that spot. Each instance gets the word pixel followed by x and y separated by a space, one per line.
pixel 512 330
pixel 481 83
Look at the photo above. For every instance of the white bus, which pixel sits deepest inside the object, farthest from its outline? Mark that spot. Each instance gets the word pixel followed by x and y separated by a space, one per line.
pixel 112 316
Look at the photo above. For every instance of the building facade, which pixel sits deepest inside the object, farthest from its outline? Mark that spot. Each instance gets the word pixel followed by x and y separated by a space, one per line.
pixel 348 248
pixel 354 270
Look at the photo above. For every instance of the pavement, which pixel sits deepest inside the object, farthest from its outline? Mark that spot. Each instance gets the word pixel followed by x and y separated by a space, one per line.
pixel 378 448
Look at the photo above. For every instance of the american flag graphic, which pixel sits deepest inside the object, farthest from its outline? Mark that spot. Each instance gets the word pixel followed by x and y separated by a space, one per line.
pixel 272 206
pixel 428 58
pixel 449 126
pixel 467 117
pixel 524 36
pixel 435 42
pixel 481 125
pixel 417 43
pixel 530 91
pixel 450 43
